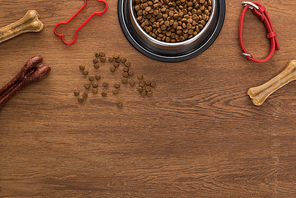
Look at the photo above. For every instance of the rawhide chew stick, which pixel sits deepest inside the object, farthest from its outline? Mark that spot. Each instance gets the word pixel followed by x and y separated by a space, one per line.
pixel 29 23
pixel 33 71
pixel 259 94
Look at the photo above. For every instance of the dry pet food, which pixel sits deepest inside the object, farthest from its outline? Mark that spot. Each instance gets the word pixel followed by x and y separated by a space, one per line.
pixel 172 20
pixel 80 98
pixel 85 95
pixel 81 67
pixel 142 84
pixel 117 85
pixel 95 84
pixel 140 77
pixel 87 85
pixel 116 55
pixel 132 83
pixel 91 78
pixel 95 61
pixel 125 69
pixel 103 59
pixel 85 72
pixel 127 63
pixel 96 65
pixel 98 77
pixel 119 104
pixel 130 72
pixel 149 94
pixel 102 54
pixel 153 84
pixel 124 80
pixel 115 91
pixel 105 84
pixel 76 93
pixel 116 65
pixel 104 93
pixel 95 90
pixel 125 74
pixel 118 60
pixel 112 69
pixel 111 58
pixel 123 60
pixel 140 89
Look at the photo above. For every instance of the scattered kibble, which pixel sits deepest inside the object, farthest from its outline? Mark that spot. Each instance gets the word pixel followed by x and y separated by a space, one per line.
pixel 85 72
pixel 142 84
pixel 95 90
pixel 98 77
pixel 123 60
pixel 116 55
pixel 148 88
pixel 143 93
pixel 112 69
pixel 87 85
pixel 132 83
pixel 85 95
pixel 125 69
pixel 104 93
pixel 127 63
pixel 95 84
pixel 153 84
pixel 130 72
pixel 95 61
pixel 103 59
pixel 76 93
pixel 115 91
pixel 125 74
pixel 102 54
pixel 96 65
pixel 97 54
pixel 105 84
pixel 81 67
pixel 116 65
pixel 149 94
pixel 80 98
pixel 140 89
pixel 148 82
pixel 111 58
pixel 117 85
pixel 91 78
pixel 124 80
pixel 140 77
pixel 118 60
pixel 119 104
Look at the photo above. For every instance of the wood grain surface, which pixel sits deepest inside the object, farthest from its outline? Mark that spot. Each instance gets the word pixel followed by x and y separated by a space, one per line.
pixel 198 136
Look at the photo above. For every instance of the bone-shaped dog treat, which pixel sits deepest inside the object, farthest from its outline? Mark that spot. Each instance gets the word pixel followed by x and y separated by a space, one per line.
pixel 33 71
pixel 29 23
pixel 259 94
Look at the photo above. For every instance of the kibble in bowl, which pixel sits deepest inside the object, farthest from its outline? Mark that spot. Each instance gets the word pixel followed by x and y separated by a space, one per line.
pixel 171 30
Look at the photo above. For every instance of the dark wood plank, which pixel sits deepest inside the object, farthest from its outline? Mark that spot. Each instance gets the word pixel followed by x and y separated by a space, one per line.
pixel 198 136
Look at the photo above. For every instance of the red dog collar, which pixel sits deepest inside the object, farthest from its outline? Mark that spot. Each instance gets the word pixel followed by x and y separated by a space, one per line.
pixel 259 11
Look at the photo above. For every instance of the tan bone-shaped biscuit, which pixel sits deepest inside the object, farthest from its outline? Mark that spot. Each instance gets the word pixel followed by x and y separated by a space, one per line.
pixel 29 23
pixel 259 94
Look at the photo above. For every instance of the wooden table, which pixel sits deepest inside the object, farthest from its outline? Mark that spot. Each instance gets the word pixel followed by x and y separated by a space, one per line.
pixel 198 136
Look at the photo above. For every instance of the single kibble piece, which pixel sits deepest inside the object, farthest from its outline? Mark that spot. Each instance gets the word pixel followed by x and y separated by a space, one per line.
pixel 85 72
pixel 148 82
pixel 130 72
pixel 140 77
pixel 97 54
pixel 142 84
pixel 112 69
pixel 98 77
pixel 95 61
pixel 115 91
pixel 91 78
pixel 105 84
pixel 132 83
pixel 127 63
pixel 87 85
pixel 119 104
pixel 125 74
pixel 149 94
pixel 95 90
pixel 125 69
pixel 124 80
pixel 118 60
pixel 80 99
pixel 116 65
pixel 81 67
pixel 102 54
pixel 143 93
pixel 103 59
pixel 104 93
pixel 153 84
pixel 111 58
pixel 96 65
pixel 95 84
pixel 85 95
pixel 123 60
pixel 116 55
pixel 140 89
pixel 117 85
pixel 148 88
pixel 76 93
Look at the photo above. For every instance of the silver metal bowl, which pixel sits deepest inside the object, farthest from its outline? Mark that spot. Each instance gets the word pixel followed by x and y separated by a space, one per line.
pixel 172 48
pixel 170 52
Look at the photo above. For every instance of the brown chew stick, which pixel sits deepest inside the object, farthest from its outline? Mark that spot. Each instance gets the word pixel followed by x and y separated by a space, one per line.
pixel 33 71
pixel 259 94
pixel 29 23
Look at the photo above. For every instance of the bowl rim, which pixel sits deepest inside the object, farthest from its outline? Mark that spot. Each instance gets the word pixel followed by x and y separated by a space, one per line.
pixel 166 44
